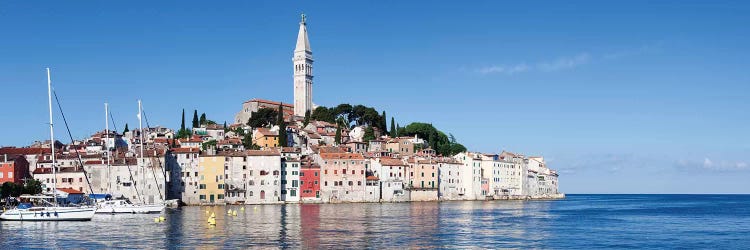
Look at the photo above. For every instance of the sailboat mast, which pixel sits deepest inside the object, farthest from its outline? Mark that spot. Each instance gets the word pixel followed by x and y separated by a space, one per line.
pixel 106 146
pixel 140 131
pixel 52 139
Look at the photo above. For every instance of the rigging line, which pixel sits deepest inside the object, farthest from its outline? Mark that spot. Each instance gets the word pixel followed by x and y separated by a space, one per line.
pixel 148 127
pixel 126 162
pixel 80 160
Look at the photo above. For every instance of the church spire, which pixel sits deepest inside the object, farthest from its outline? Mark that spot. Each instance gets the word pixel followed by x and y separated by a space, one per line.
pixel 303 44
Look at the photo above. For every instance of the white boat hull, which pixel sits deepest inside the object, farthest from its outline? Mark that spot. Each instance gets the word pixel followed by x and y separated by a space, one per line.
pixel 49 214
pixel 131 209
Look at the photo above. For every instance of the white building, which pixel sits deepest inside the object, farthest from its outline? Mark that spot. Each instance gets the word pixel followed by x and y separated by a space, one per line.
pixel 290 182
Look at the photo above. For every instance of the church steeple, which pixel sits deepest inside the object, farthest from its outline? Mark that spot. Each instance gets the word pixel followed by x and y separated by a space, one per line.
pixel 303 71
pixel 303 44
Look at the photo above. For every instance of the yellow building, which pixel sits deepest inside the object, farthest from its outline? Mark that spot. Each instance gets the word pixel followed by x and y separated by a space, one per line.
pixel 265 138
pixel 211 179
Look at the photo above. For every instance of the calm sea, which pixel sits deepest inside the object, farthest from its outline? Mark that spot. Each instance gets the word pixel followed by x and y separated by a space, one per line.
pixel 580 222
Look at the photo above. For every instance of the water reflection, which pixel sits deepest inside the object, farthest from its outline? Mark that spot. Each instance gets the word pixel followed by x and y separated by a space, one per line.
pixel 574 222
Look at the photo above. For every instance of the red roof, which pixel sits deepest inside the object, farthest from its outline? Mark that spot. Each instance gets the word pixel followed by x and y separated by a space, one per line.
pixel 372 178
pixel 341 156
pixel 70 190
pixel 185 150
pixel 270 102
pixel 24 151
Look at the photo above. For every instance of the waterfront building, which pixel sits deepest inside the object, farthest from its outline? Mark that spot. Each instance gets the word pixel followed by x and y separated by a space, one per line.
pixel 309 180
pixel 263 177
pixel 343 177
pixel 423 179
pixel 390 172
pixel 182 164
pixel 470 185
pixel 211 179
pixel 449 179
pixel 290 178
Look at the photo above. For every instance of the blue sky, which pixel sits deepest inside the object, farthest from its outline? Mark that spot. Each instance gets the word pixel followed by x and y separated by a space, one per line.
pixel 630 97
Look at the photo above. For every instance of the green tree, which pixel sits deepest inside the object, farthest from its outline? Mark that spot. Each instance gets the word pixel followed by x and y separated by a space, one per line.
pixel 264 117
pixel 337 138
pixel 323 114
pixel 393 127
pixel 343 110
pixel 307 119
pixel 282 127
pixel 208 144
pixel 384 126
pixel 202 120
pixel 182 126
pixel 32 186
pixel 10 189
pixel 369 134
pixel 126 129
pixel 195 119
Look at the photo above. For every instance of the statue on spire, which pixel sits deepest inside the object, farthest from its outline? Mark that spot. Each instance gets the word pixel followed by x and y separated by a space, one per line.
pixel 303 17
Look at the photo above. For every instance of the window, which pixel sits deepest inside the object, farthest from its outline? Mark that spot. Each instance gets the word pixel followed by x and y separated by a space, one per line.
pixel 335 171
pixel 251 193
pixel 301 173
pixel 202 186
pixel 202 197
pixel 351 183
pixel 294 183
pixel 221 186
pixel 359 183
pixel 325 183
pixel 316 172
pixel 316 182
pixel 220 196
pixel 325 172
pixel 292 192
pixel 362 171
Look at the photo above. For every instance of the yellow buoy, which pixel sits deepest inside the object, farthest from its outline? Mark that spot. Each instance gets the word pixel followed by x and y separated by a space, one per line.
pixel 161 218
pixel 242 209
pixel 229 211
pixel 156 219
pixel 234 213
pixel 213 215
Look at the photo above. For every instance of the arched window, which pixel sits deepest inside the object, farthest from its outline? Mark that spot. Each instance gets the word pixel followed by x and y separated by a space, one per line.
pixel 251 193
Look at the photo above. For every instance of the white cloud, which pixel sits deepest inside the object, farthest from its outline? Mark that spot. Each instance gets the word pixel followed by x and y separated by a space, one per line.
pixel 562 63
pixel 710 165
pixel 513 69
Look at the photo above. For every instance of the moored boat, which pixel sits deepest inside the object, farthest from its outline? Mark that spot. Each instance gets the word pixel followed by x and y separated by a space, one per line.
pixel 124 206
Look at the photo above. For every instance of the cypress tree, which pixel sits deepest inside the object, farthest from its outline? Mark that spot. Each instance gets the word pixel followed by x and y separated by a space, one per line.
pixel 182 126
pixel 384 126
pixel 225 127
pixel 393 127
pixel 202 120
pixel 126 129
pixel 338 135
pixel 307 119
pixel 195 119
pixel 282 127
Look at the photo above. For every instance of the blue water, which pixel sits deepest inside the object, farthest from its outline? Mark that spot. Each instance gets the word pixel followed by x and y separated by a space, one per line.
pixel 579 222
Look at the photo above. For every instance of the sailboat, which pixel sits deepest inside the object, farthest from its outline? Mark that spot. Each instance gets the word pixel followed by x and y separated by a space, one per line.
pixel 124 205
pixel 39 207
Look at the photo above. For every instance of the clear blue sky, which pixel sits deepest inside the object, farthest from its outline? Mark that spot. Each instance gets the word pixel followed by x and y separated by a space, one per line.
pixel 629 97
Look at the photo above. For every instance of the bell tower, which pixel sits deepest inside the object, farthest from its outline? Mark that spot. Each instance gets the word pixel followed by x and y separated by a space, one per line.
pixel 303 71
